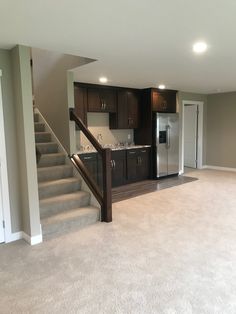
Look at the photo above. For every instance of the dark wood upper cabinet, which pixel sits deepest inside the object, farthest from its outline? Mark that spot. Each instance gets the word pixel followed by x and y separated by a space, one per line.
pixel 101 99
pixel 80 94
pixel 163 101
pixel 127 116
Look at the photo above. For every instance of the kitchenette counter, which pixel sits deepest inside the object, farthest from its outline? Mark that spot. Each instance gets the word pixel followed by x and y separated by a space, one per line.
pixel 113 148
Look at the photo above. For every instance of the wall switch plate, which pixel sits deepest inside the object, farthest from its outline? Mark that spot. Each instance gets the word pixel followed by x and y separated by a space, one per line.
pixel 129 136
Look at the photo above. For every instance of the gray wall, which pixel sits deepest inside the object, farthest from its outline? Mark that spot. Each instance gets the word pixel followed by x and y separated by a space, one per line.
pixel 193 97
pixel 25 140
pixel 11 141
pixel 51 89
pixel 221 130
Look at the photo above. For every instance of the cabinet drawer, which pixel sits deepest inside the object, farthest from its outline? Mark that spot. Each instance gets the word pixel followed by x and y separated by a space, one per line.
pixel 88 157
pixel 118 154
pixel 131 153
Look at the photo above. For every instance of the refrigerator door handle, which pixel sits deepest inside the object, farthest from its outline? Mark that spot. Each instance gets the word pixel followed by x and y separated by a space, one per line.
pixel 168 136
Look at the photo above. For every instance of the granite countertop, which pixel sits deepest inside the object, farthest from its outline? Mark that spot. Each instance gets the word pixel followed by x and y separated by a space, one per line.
pixel 88 151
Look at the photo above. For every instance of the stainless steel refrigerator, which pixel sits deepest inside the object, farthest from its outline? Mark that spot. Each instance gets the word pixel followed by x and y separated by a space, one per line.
pixel 167 144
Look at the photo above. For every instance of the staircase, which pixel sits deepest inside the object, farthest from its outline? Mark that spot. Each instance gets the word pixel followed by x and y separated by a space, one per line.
pixel 64 207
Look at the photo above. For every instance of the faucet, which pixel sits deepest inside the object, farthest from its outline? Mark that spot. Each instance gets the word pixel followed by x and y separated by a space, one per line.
pixel 99 138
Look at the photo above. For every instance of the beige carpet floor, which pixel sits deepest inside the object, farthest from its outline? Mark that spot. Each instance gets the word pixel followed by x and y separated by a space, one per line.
pixel 171 251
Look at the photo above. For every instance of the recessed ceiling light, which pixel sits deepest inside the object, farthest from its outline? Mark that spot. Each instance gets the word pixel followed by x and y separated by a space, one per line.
pixel 103 79
pixel 200 47
pixel 161 86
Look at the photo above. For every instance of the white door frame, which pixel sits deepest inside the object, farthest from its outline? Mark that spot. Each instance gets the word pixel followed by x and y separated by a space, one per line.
pixel 200 132
pixel 4 176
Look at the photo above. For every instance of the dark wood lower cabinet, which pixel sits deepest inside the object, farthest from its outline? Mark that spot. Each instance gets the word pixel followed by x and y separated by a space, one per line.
pixel 127 166
pixel 138 164
pixel 91 163
pixel 118 168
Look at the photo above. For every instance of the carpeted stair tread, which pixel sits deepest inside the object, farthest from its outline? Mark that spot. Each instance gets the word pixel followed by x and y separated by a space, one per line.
pixel 47 148
pixel 53 205
pixel 69 220
pixel 42 137
pixel 54 173
pixel 53 159
pixel 39 127
pixel 57 187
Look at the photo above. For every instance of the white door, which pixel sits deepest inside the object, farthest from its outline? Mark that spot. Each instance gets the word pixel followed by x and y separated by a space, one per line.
pixel 190 135
pixel 2 237
pixel 2 155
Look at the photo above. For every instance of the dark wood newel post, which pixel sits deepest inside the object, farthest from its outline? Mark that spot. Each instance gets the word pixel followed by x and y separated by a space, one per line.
pixel 107 196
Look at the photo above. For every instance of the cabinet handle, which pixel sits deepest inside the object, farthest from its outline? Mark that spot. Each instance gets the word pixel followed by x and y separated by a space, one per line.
pixel 132 152
pixel 114 163
pixel 140 160
pixel 105 105
pixel 86 158
pixel 143 151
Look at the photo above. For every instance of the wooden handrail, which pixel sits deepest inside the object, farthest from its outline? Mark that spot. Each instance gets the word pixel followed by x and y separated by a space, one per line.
pixel 105 198
pixel 83 128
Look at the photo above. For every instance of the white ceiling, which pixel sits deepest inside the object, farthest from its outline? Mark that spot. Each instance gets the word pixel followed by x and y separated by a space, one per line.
pixel 137 43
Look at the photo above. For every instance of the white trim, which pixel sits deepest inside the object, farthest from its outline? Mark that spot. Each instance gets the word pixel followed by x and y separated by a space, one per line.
pixel 32 240
pixel 200 132
pixel 22 235
pixel 219 168
pixel 15 236
pixel 48 129
pixel 4 175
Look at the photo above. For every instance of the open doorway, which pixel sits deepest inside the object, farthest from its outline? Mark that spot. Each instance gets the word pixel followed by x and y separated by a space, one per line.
pixel 192 134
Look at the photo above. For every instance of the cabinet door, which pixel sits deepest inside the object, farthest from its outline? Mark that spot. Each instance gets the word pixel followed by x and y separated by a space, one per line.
pixel 143 171
pixel 108 99
pixel 133 109
pixel 122 110
pixel 127 109
pixel 118 168
pixel 101 100
pixel 80 95
pixel 90 162
pixel 132 164
pixel 94 101
pixel 164 101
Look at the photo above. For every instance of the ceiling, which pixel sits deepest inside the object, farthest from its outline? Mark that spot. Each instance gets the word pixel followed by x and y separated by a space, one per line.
pixel 137 43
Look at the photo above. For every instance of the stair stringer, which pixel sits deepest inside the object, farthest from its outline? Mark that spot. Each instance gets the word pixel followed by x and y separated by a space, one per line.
pixel 61 149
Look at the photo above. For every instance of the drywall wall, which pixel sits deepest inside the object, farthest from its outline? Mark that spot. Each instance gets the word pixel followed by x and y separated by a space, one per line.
pixel 98 123
pixel 221 130
pixel 25 140
pixel 11 140
pixel 193 97
pixel 50 85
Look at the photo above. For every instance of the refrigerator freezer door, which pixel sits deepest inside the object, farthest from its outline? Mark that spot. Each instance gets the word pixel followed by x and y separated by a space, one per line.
pixel 173 144
pixel 161 143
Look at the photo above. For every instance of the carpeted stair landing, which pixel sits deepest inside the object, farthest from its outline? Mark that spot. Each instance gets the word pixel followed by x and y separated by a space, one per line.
pixel 64 207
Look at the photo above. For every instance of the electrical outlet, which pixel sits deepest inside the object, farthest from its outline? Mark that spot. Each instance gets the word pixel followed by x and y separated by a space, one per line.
pixel 129 136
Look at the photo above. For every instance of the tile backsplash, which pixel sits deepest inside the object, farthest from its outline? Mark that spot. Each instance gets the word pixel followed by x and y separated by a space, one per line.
pixel 98 123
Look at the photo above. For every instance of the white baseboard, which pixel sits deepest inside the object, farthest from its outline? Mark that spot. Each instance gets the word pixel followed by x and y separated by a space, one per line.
pixel 14 237
pixel 219 168
pixel 22 235
pixel 32 240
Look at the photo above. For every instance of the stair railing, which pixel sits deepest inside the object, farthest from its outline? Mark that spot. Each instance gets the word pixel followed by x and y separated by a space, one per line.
pixel 103 197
